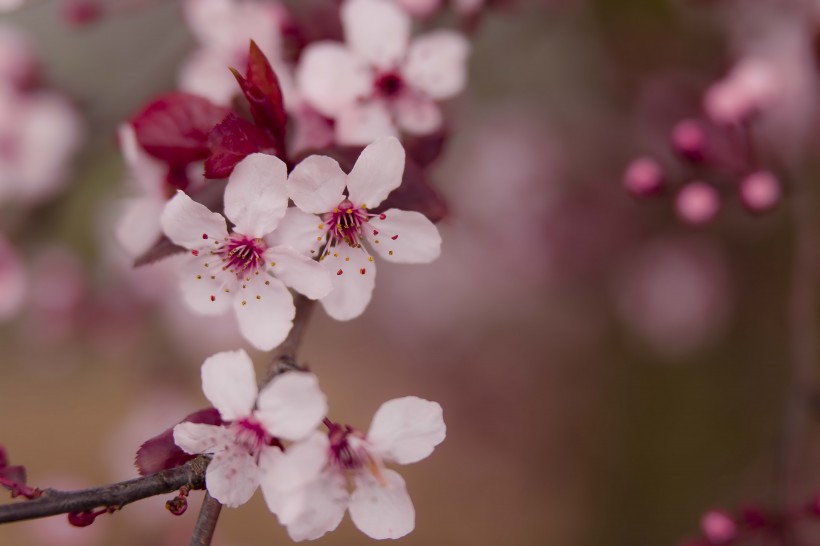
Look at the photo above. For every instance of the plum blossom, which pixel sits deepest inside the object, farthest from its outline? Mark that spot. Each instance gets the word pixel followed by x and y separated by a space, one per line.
pixel 237 268
pixel 306 487
pixel 379 81
pixel 290 407
pixel 317 187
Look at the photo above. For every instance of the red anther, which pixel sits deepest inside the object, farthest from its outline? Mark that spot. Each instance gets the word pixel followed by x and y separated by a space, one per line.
pixel 375 232
pixel 213 298
pixel 195 252
pixel 363 271
pixel 204 235
pixel 382 216
pixel 339 272
pixel 394 237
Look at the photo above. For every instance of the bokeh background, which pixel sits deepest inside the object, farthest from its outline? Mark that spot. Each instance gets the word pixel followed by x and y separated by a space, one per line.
pixel 608 372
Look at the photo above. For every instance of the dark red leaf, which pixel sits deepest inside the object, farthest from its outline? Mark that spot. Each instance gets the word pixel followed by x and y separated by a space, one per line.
pixel 174 128
pixel 261 88
pixel 425 149
pixel 4 460
pixel 231 141
pixel 161 453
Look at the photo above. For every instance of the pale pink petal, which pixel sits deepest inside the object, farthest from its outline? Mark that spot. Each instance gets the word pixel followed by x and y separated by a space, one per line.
pixel 229 383
pixel 195 438
pixel 206 74
pixel 406 430
pixel 382 509
pixel 301 464
pixel 437 63
pixel 232 476
pixel 292 405
pixel 353 277
pixel 13 281
pixel 376 30
pixel 363 122
pixel 265 311
pixel 420 8
pixel 331 77
pixel 299 272
pixel 377 172
pixel 255 197
pixel 139 227
pixel 417 115
pixel 404 237
pixel 146 172
pixel 316 184
pixel 299 230
pixel 185 222
pixel 315 509
pixel 226 26
pixel 205 289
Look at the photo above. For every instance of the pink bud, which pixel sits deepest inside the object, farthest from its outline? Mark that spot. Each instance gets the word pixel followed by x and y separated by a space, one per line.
pixel 689 139
pixel 643 177
pixel 82 12
pixel 718 527
pixel 759 191
pixel 697 203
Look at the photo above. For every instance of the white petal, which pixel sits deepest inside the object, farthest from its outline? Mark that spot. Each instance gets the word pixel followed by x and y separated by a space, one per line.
pixel 382 510
pixel 205 73
pixel 376 30
pixel 139 227
pixel 292 405
pixel 331 77
pixel 377 172
pixel 301 464
pixel 232 476
pixel 229 382
pixel 206 289
pixel 299 272
pixel 417 240
pixel 437 63
pixel 417 114
pixel 363 122
pixel 265 311
pixel 315 509
pixel 185 222
pixel 146 172
pixel 316 184
pixel 407 429
pixel 195 438
pixel 352 289
pixel 301 231
pixel 255 197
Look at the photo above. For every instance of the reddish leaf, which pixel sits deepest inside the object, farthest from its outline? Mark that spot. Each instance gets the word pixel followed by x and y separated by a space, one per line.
pixel 261 88
pixel 233 140
pixel 425 149
pixel 174 128
pixel 161 453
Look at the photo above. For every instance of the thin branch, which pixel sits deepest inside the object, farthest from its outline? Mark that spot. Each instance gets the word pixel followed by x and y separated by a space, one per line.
pixel 206 521
pixel 117 495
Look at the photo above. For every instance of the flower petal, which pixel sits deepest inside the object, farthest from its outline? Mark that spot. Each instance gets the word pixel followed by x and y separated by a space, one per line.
pixel 437 63
pixel 331 77
pixel 145 171
pixel 195 438
pixel 185 221
pixel 316 508
pixel 377 172
pixel 406 430
pixel 203 73
pixel 376 30
pixel 301 231
pixel 205 288
pixel 417 114
pixel 299 272
pixel 229 383
pixel 265 311
pixel 353 277
pixel 292 405
pixel 382 510
pixel 232 476
pixel 255 197
pixel 363 122
pixel 139 226
pixel 404 237
pixel 316 184
pixel 301 464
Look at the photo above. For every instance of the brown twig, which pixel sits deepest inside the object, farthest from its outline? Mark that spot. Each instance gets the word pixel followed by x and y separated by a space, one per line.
pixel 206 521
pixel 116 495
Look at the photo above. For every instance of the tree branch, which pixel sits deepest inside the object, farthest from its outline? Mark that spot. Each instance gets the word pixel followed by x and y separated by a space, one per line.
pixel 116 495
pixel 206 521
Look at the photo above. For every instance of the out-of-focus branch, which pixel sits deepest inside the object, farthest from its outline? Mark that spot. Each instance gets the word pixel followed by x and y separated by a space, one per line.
pixel 206 521
pixel 117 495
pixel 803 326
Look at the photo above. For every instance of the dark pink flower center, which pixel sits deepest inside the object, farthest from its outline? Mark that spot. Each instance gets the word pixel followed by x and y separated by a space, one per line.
pixel 251 435
pixel 347 451
pixel 345 224
pixel 242 255
pixel 388 85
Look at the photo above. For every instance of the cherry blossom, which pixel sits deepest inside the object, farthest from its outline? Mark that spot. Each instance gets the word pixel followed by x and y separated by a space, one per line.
pixel 316 186
pixel 379 81
pixel 290 407
pixel 237 268
pixel 306 487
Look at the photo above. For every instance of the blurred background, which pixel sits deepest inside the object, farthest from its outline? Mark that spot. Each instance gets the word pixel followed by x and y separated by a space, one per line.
pixel 608 371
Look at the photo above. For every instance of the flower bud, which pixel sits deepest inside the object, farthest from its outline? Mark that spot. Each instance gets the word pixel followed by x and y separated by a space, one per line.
pixel 697 203
pixel 718 527
pixel 643 177
pixel 689 139
pixel 759 191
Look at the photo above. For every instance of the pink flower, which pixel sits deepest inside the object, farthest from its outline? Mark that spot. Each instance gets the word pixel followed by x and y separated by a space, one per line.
pixel 316 186
pixel 380 82
pixel 750 87
pixel 697 203
pixel 759 191
pixel 236 268
pixel 306 487
pixel 288 408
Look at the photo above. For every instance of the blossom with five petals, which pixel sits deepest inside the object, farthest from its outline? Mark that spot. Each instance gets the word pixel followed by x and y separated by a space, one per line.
pixel 237 268
pixel 306 487
pixel 317 186
pixel 289 408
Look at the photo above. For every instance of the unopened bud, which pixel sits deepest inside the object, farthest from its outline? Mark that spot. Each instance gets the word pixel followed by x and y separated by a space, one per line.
pixel 643 177
pixel 718 527
pixel 689 139
pixel 697 203
pixel 759 191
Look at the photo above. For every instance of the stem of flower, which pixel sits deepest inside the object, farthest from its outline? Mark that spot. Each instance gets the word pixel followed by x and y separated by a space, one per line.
pixel 206 521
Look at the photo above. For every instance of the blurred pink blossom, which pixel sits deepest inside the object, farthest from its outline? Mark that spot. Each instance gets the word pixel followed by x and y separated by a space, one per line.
pixel 718 527
pixel 760 191
pixel 697 202
pixel 18 63
pixel 643 177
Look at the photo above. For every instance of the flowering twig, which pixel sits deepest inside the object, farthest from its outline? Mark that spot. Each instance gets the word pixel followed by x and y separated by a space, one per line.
pixel 117 495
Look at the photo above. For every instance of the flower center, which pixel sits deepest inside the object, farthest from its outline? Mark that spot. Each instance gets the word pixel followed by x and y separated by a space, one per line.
pixel 348 450
pixel 345 224
pixel 388 84
pixel 242 255
pixel 251 435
